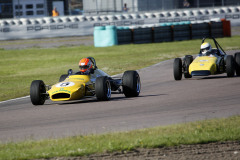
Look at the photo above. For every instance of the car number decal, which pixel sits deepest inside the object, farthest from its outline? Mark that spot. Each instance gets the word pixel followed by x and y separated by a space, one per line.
pixel 65 84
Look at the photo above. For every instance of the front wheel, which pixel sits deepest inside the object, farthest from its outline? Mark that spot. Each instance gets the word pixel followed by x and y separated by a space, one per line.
pixel 103 88
pixel 230 67
pixel 177 69
pixel 37 92
pixel 187 61
pixel 237 63
pixel 131 84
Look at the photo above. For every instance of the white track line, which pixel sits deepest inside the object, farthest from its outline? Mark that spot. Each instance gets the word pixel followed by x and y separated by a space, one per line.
pixel 10 100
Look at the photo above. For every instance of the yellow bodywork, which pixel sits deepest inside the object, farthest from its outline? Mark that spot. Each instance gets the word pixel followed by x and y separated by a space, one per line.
pixel 204 63
pixel 72 88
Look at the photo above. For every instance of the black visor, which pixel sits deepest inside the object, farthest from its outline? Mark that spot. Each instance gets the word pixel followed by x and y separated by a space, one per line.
pixel 205 49
pixel 84 67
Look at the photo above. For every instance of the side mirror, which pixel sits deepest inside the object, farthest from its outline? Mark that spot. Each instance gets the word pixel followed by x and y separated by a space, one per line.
pixel 70 71
pixel 91 71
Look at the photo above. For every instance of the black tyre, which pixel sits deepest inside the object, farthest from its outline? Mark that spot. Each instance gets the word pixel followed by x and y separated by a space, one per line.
pixel 63 77
pixel 103 88
pixel 237 63
pixel 37 92
pixel 177 69
pixel 131 83
pixel 230 67
pixel 187 61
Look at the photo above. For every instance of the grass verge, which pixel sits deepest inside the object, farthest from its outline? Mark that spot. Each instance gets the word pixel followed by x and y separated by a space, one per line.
pixel 20 67
pixel 188 133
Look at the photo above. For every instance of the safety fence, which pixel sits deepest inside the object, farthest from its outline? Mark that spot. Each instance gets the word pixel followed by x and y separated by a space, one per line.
pixel 165 32
pixel 25 28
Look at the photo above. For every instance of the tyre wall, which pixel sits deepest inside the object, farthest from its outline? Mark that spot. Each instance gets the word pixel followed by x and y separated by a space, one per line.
pixel 162 34
pixel 200 29
pixel 166 32
pixel 124 35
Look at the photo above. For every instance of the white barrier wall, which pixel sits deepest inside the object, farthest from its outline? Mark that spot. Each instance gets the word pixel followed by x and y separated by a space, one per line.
pixel 84 25
pixel 30 31
pixel 56 27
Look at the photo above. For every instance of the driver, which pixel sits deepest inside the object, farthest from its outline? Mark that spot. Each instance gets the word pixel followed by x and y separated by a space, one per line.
pixel 206 49
pixel 85 65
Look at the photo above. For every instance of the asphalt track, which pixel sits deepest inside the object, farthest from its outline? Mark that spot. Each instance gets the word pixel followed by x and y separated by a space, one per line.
pixel 162 101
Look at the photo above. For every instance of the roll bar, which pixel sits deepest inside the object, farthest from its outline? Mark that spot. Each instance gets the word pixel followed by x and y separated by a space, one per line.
pixel 93 61
pixel 215 42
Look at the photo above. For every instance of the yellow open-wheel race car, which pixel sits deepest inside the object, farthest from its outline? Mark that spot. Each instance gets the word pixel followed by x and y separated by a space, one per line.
pixel 214 62
pixel 76 85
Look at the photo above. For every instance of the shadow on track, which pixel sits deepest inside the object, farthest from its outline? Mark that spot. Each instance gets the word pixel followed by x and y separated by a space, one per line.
pixel 94 100
pixel 219 77
pixel 211 77
pixel 215 77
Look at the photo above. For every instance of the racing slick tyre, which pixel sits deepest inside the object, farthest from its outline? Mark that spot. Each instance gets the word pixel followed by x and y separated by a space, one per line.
pixel 63 77
pixel 187 61
pixel 177 69
pixel 230 67
pixel 131 84
pixel 103 88
pixel 237 63
pixel 37 92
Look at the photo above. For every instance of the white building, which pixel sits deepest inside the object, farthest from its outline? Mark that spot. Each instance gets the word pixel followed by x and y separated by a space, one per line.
pixel 32 8
pixel 108 6
pixel 26 8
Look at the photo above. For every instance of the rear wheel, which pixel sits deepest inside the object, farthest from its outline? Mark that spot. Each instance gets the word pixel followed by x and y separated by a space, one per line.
pixel 237 63
pixel 103 88
pixel 63 77
pixel 131 84
pixel 177 69
pixel 230 68
pixel 37 92
pixel 187 61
